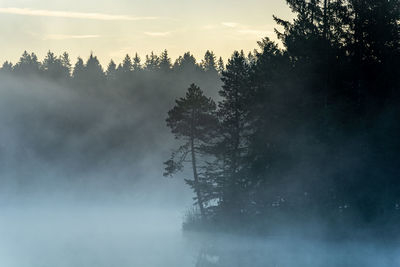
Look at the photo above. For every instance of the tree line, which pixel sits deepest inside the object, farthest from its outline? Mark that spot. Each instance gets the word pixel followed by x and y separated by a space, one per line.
pixel 303 131
pixel 59 68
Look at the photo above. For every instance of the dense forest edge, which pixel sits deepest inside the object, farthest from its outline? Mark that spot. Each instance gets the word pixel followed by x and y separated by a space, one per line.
pixel 304 134
pixel 300 134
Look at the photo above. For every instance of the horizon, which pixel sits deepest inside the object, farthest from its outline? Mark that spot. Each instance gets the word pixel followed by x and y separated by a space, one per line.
pixel 110 31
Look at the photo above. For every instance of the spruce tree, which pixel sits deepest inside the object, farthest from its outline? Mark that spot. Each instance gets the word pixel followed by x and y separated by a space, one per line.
pixel 136 63
pixel 152 62
pixel 111 70
pixel 165 61
pixel 232 114
pixel 209 62
pixel 127 64
pixel 220 65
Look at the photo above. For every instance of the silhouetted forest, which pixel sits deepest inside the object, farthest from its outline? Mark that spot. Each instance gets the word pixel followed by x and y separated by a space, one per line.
pixel 287 133
pixel 309 131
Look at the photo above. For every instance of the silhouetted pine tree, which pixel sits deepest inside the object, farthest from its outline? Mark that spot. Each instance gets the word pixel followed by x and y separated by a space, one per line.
pixel 111 70
pixel 53 67
pixel 220 65
pixel 66 63
pixel 136 63
pixel 78 71
pixel 7 67
pixel 127 65
pixel 165 61
pixel 94 74
pixel 186 63
pixel 209 61
pixel 152 62
pixel 192 120
pixel 28 65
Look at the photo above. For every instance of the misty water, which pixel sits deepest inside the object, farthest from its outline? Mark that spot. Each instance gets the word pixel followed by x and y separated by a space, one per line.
pixel 93 236
pixel 56 233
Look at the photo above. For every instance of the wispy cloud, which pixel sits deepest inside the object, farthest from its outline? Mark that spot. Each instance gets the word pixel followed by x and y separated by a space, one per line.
pixel 242 29
pixel 230 24
pixel 258 33
pixel 66 36
pixel 157 34
pixel 68 14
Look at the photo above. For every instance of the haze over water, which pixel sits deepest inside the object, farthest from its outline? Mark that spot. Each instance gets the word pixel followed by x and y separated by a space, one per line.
pixel 123 234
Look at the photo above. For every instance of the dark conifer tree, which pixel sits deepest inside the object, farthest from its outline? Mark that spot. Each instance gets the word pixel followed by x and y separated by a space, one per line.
pixel 209 62
pixel 28 64
pixel 111 70
pixel 152 62
pixel 186 63
pixel 192 121
pixel 66 63
pixel 94 70
pixel 53 67
pixel 127 66
pixel 165 61
pixel 220 65
pixel 77 73
pixel 7 67
pixel 232 113
pixel 136 63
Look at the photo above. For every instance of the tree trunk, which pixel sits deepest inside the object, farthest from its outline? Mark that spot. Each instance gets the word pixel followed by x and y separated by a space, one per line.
pixel 195 175
pixel 325 18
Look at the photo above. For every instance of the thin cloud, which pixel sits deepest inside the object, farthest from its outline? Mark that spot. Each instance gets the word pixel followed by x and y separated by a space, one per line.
pixel 230 24
pixel 70 15
pixel 255 32
pixel 65 36
pixel 157 34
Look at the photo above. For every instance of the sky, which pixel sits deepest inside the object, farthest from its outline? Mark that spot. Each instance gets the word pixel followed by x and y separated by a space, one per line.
pixel 112 29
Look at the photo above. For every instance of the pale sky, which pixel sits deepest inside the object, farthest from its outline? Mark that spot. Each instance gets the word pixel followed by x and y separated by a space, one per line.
pixel 111 29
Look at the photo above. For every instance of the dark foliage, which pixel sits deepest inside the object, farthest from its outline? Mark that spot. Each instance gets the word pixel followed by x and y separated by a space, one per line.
pixel 312 130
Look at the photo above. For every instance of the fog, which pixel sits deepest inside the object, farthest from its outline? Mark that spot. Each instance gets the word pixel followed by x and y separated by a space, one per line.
pixel 70 187
pixel 122 234
pixel 74 194
pixel 82 235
